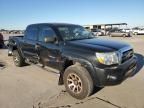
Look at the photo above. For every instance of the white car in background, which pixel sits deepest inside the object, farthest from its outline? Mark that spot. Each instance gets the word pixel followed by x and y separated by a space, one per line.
pixel 138 31
pixel 127 30
pixel 97 32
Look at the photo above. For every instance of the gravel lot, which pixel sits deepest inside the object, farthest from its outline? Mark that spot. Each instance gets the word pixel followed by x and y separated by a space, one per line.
pixel 33 87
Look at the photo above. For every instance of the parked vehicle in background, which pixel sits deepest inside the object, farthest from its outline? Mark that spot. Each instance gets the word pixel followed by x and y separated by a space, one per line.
pixel 109 30
pixel 119 33
pixel 138 31
pixel 97 32
pixel 1 41
pixel 84 61
pixel 127 30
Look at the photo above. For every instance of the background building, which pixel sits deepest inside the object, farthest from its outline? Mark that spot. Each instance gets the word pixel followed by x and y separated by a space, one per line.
pixel 105 26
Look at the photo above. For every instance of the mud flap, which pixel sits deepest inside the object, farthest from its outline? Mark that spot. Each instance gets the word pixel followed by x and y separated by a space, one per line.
pixel 60 82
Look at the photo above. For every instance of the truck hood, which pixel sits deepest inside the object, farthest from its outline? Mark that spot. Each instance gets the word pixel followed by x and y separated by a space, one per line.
pixel 96 44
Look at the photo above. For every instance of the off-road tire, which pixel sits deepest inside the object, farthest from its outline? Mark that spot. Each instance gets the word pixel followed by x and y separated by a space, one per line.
pixel 86 81
pixel 20 60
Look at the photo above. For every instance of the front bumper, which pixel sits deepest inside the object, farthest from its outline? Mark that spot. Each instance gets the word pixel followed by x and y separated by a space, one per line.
pixel 115 75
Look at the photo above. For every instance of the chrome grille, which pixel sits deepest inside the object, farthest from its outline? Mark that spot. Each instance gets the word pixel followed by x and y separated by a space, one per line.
pixel 127 55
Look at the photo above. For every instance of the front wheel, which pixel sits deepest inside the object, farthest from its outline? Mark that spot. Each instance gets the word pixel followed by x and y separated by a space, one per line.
pixel 78 82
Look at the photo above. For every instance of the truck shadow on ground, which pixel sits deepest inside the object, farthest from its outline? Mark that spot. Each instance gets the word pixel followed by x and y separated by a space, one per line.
pixel 2 65
pixel 140 63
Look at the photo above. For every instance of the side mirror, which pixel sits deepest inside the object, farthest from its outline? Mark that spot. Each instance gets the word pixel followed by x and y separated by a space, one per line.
pixel 49 39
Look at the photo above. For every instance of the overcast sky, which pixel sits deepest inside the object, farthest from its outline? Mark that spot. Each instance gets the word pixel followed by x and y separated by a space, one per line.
pixel 17 14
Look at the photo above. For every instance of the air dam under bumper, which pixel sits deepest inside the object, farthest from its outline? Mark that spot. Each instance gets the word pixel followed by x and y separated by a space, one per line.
pixel 115 75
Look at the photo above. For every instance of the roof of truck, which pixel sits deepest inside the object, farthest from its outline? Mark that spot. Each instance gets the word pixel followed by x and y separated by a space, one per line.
pixel 52 24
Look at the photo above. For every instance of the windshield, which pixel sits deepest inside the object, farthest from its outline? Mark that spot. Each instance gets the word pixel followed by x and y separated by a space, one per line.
pixel 74 32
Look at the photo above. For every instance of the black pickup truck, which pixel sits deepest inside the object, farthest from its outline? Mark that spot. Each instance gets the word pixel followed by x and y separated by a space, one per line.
pixel 84 61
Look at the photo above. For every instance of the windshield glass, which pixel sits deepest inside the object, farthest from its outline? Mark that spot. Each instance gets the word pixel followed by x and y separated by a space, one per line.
pixel 73 32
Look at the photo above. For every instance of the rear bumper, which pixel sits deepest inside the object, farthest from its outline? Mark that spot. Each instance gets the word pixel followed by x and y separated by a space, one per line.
pixel 115 75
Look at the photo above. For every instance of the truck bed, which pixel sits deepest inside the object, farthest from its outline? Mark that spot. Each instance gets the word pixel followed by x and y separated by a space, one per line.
pixel 15 37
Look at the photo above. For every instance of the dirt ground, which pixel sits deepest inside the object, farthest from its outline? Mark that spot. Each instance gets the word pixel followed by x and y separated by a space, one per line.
pixel 34 87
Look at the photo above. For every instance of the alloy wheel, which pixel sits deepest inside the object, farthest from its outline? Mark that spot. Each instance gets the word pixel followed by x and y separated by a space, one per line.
pixel 74 83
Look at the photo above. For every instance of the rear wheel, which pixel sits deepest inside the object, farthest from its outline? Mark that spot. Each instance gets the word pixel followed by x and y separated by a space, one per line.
pixel 18 59
pixel 78 82
pixel 9 52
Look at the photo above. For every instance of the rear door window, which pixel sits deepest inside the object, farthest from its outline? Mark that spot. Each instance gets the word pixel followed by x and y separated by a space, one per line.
pixel 32 33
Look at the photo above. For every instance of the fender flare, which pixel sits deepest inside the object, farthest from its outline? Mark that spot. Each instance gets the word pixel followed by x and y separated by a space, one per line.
pixel 86 64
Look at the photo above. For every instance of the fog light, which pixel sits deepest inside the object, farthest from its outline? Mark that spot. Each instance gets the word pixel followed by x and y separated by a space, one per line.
pixel 111 77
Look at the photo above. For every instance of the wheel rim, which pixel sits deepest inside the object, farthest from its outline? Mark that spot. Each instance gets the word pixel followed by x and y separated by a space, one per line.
pixel 74 83
pixel 16 60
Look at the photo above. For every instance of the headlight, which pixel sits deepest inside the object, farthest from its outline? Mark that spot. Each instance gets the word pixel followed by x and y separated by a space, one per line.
pixel 109 58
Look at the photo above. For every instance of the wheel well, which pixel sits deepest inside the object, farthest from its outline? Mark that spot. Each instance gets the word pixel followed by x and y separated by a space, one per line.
pixel 66 65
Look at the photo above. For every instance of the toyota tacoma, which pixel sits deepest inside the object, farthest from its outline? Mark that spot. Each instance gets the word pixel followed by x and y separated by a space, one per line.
pixel 84 61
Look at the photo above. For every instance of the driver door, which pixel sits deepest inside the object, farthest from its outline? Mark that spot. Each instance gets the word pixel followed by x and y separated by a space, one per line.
pixel 49 53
